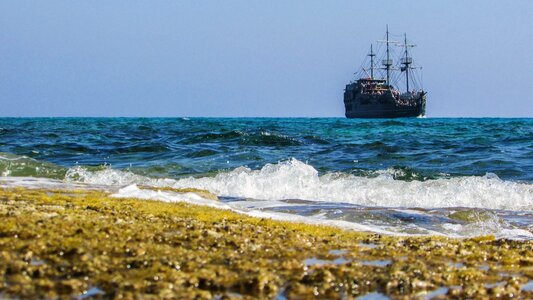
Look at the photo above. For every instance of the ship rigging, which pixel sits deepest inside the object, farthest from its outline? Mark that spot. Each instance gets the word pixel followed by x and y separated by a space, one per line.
pixel 371 97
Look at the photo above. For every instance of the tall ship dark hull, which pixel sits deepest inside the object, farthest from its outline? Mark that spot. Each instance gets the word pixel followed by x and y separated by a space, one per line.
pixel 377 97
pixel 379 110
pixel 388 104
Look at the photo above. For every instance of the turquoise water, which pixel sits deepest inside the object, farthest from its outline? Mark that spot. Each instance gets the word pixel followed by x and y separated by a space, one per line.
pixel 364 172
pixel 421 148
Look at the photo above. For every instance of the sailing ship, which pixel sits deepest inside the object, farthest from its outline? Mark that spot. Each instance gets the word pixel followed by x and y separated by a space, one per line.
pixel 371 97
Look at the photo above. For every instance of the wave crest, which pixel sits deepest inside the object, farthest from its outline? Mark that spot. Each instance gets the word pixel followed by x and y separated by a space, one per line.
pixel 293 179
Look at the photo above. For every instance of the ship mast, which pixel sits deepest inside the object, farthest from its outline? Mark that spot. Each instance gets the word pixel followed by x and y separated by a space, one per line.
pixel 371 62
pixel 406 61
pixel 387 62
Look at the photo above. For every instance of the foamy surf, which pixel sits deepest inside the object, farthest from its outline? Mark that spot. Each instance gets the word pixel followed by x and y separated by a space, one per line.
pixel 287 211
pixel 295 191
pixel 132 191
pixel 293 179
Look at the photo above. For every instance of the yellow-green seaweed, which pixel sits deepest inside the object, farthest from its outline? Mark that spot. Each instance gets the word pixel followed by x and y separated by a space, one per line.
pixel 472 215
pixel 57 243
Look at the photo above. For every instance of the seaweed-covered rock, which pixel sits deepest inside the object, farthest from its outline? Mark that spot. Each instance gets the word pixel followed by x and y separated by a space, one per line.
pixel 56 243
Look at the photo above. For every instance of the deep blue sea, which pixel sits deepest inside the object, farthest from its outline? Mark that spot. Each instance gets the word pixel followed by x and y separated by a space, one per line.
pixel 397 176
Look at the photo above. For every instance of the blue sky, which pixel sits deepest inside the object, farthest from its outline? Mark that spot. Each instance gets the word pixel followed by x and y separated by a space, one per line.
pixel 254 58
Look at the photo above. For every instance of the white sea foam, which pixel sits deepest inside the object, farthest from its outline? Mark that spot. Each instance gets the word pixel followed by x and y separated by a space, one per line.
pixel 264 190
pixel 104 177
pixel 132 191
pixel 487 227
pixel 263 208
pixel 294 179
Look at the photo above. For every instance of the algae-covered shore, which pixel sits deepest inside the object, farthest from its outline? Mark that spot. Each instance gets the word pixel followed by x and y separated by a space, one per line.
pixel 64 243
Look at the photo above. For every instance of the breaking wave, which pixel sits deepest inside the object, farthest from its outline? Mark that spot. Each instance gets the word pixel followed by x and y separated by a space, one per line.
pixel 381 201
pixel 293 179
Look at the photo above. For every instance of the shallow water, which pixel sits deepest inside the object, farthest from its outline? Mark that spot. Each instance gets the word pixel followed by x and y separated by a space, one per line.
pixel 455 177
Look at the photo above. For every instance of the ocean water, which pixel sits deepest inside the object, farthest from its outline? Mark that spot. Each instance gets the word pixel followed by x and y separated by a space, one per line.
pixel 453 177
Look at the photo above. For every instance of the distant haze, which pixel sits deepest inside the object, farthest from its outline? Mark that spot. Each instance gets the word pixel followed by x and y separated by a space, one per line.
pixel 255 58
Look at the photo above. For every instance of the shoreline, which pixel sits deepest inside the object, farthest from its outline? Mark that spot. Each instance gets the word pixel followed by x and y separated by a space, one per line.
pixel 77 243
